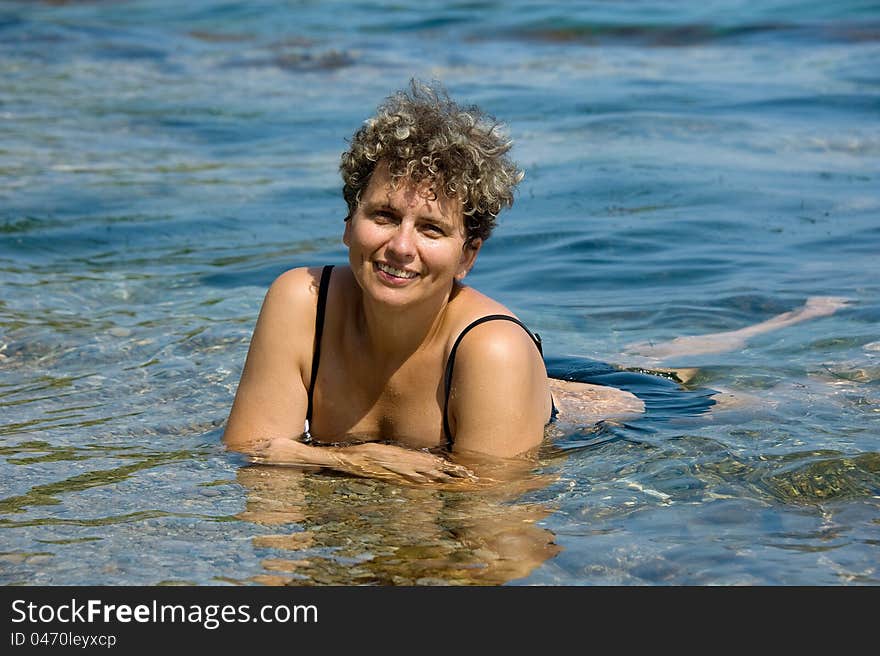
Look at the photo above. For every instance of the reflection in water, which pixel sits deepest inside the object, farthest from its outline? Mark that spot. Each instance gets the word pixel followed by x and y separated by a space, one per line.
pixel 333 529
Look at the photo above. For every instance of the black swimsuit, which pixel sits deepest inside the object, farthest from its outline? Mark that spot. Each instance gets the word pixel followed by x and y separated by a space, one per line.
pixel 316 351
pixel 447 380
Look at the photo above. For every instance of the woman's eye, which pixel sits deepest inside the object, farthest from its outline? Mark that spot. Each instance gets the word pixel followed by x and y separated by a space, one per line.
pixel 434 230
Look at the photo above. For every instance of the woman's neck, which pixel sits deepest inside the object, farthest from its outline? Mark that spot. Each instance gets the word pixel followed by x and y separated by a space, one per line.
pixel 392 334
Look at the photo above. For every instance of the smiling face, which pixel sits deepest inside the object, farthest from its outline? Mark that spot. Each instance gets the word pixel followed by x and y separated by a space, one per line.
pixel 405 245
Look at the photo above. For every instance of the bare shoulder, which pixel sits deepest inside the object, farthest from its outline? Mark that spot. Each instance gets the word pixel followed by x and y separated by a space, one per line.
pixel 291 302
pixel 494 347
pixel 296 287
pixel 499 400
pixel 468 305
pixel 271 398
pixel 498 342
pixel 283 336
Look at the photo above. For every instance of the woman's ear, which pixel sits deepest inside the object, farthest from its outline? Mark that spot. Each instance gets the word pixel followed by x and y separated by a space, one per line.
pixel 346 235
pixel 468 256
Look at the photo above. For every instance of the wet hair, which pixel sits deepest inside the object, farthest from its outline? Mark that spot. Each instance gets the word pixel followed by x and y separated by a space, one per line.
pixel 423 135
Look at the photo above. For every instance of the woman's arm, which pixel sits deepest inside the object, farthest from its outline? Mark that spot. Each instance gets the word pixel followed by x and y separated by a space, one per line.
pixel 500 399
pixel 272 398
pixel 370 459
pixel 268 415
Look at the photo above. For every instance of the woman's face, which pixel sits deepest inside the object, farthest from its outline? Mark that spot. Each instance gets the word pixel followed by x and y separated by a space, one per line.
pixel 405 245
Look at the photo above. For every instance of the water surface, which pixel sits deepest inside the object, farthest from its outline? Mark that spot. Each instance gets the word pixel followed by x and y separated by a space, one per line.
pixel 690 167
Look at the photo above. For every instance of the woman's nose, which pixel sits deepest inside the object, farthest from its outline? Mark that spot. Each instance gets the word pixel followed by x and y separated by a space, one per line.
pixel 402 242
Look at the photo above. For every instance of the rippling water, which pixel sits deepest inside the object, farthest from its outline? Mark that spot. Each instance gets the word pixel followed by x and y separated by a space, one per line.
pixel 691 167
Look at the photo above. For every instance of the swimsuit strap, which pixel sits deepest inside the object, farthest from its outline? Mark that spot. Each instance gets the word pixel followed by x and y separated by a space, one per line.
pixel 451 361
pixel 319 329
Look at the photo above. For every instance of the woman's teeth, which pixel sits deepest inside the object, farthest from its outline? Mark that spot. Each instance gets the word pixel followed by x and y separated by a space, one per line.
pixel 397 273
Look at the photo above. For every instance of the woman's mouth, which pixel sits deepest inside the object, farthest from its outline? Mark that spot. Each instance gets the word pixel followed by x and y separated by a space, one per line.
pixel 393 272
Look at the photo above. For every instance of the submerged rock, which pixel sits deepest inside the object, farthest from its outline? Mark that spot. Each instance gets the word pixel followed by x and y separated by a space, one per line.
pixel 829 478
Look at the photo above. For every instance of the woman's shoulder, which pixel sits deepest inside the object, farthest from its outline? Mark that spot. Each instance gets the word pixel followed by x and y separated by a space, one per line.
pixel 297 288
pixel 479 314
pixel 300 281
pixel 469 305
pixel 498 401
pixel 291 300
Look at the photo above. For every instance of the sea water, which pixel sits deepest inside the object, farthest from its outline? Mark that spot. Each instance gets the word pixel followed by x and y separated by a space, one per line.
pixel 691 167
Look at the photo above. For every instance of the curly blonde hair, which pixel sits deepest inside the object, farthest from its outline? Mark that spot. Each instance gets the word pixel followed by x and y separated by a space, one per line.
pixel 423 135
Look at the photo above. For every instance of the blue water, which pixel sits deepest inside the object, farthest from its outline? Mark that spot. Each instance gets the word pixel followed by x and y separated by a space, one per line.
pixel 691 167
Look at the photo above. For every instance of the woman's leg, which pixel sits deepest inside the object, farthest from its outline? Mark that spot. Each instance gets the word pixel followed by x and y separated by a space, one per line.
pixel 816 306
pixel 586 404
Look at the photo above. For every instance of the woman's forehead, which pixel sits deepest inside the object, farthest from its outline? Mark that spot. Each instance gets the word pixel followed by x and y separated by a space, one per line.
pixel 384 188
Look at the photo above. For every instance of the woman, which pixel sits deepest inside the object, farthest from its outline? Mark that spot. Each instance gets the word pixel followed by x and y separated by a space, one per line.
pixel 393 347
pixel 369 367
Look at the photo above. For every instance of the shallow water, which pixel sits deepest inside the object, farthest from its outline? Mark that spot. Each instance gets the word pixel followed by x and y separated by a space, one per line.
pixel 691 167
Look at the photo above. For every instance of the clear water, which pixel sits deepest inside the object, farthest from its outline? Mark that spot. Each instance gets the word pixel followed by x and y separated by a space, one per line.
pixel 691 167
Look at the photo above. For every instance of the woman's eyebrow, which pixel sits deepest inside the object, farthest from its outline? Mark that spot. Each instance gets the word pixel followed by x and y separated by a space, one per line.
pixel 380 207
pixel 436 220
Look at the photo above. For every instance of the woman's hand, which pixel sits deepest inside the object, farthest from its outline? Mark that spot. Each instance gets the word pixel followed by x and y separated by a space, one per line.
pixel 386 461
pixel 371 459
pixel 287 451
